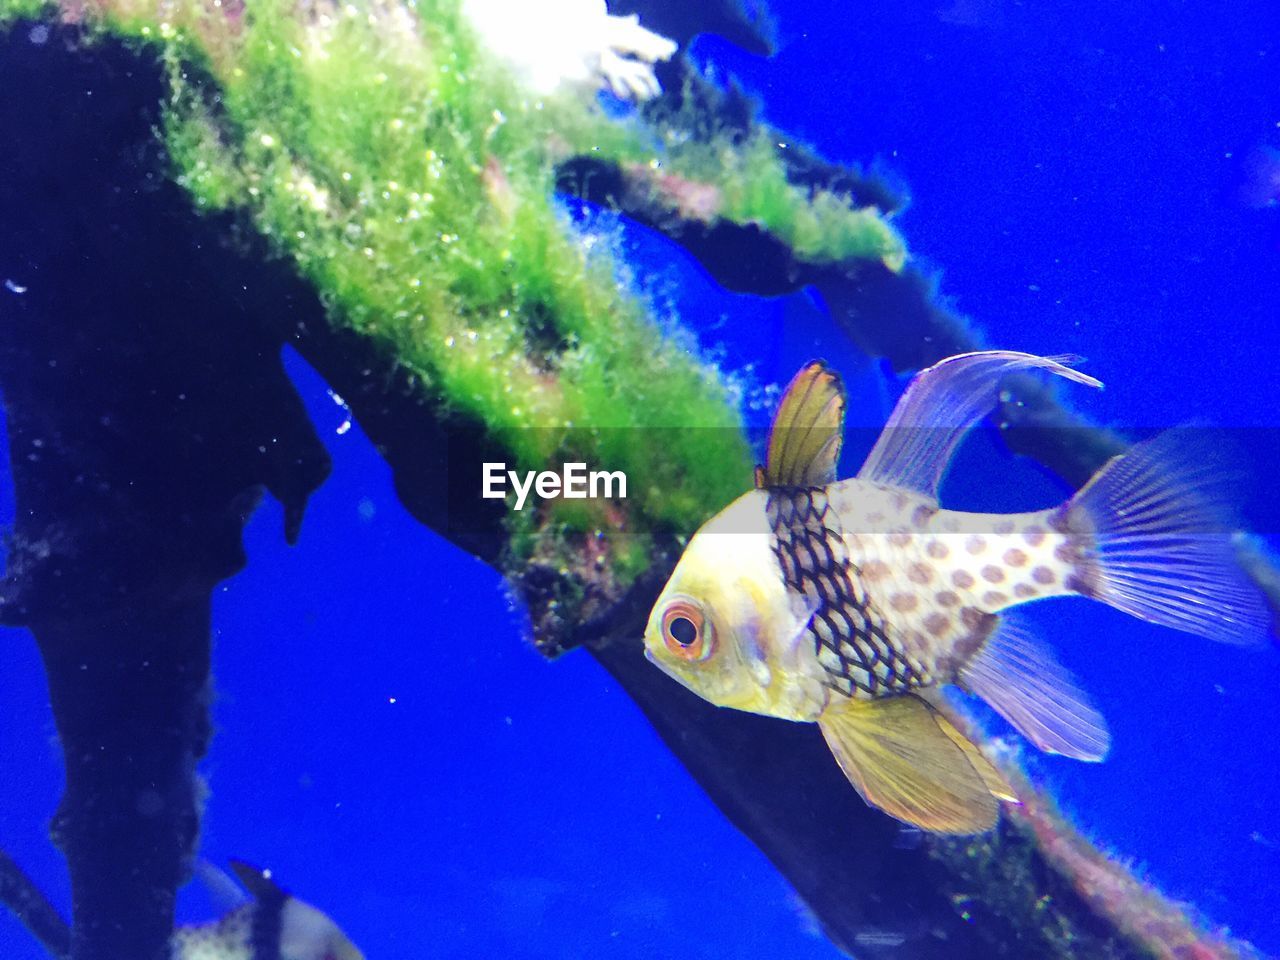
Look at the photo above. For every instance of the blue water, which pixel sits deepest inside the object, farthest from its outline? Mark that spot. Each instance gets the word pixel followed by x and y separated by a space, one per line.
pixel 391 746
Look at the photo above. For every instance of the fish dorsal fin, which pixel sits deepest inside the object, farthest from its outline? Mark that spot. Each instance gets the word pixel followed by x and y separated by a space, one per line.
pixel 807 431
pixel 258 882
pixel 938 407
pixel 909 761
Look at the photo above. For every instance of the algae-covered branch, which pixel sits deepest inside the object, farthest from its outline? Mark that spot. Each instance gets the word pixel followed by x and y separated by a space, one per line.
pixel 371 184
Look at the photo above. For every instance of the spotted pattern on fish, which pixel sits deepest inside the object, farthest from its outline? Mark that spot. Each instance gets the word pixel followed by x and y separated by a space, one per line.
pixel 230 938
pixel 274 926
pixel 849 633
pixel 941 578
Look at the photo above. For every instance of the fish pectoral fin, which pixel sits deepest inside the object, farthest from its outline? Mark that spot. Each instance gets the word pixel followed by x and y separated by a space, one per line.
pixel 907 760
pixel 807 431
pixel 1023 682
pixel 995 781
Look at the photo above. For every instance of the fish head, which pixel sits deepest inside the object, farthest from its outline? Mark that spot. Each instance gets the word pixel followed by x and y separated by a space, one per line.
pixel 724 626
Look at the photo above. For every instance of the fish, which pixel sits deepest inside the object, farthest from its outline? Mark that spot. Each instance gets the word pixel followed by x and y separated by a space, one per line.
pixel 266 924
pixel 273 925
pixel 855 604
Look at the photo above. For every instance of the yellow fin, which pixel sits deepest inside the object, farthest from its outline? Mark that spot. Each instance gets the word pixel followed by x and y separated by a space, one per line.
pixel 807 431
pixel 997 785
pixel 907 760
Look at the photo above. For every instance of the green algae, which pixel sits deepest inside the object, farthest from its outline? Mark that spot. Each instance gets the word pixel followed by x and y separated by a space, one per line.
pixel 752 187
pixel 1022 878
pixel 999 879
pixel 411 181
pixel 25 9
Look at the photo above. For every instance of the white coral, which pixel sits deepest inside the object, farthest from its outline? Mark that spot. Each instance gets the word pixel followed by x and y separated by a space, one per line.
pixel 555 43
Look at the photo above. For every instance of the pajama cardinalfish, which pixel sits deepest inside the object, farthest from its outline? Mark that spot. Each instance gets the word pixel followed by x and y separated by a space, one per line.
pixel 851 603
pixel 274 925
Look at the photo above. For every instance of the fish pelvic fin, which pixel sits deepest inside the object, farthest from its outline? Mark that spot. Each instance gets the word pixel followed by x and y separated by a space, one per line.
pixel 1154 535
pixel 906 759
pixel 1021 680
pixel 807 431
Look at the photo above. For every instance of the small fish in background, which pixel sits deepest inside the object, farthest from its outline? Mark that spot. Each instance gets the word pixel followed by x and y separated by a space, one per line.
pixel 852 603
pixel 272 926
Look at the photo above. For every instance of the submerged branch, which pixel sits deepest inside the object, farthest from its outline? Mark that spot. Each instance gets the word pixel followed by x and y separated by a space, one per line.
pixel 144 417
pixel 28 903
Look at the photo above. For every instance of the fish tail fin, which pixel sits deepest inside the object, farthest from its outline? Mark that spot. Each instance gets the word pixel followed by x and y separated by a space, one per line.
pixel 1154 536
pixel 906 759
pixel 1023 682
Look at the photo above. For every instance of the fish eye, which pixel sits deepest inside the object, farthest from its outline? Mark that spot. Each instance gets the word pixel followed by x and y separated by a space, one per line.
pixel 684 630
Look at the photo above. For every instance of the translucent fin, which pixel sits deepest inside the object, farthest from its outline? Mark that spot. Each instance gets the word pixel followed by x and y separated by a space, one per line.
pixel 1021 680
pixel 996 784
pixel 807 431
pixel 1155 533
pixel 908 764
pixel 938 408
pixel 224 892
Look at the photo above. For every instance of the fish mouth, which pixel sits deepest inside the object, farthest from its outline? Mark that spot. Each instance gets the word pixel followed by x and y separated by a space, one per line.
pixel 668 670
pixel 648 655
